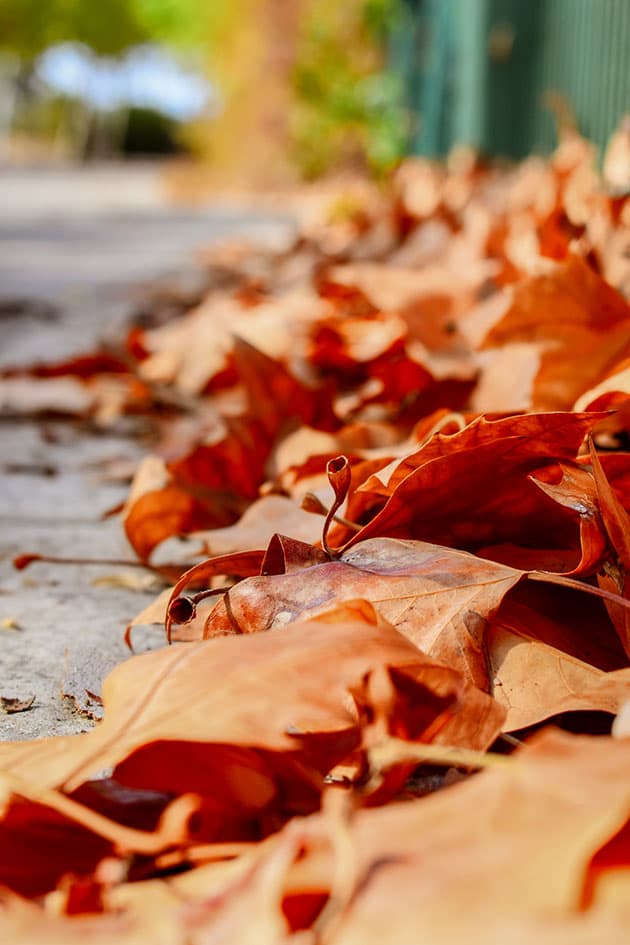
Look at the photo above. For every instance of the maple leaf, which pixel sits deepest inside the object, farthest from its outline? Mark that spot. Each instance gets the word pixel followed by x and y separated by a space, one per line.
pixel 258 524
pixel 423 497
pixel 617 523
pixel 276 397
pixel 213 708
pixel 580 324
pixel 211 484
pixel 204 722
pixel 512 848
pixel 243 788
pixel 64 835
pixel 535 681
pixel 440 598
pixel 158 507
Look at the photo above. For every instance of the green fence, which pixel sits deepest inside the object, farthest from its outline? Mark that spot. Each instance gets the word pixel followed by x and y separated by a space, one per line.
pixel 478 71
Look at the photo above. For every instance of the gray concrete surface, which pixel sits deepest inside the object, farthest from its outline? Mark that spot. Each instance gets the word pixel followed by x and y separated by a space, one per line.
pixel 80 239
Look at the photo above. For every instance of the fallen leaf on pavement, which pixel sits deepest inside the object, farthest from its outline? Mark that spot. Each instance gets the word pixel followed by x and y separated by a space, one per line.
pixel 402 441
pixel 11 704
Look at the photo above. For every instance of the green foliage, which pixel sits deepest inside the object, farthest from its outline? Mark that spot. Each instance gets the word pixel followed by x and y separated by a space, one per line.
pixel 189 23
pixel 25 26
pixel 28 26
pixel 107 27
pixel 380 17
pixel 110 26
pixel 347 102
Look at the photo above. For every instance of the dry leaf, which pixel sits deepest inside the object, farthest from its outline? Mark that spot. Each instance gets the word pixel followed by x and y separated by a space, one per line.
pixel 500 857
pixel 248 788
pixel 440 598
pixel 11 704
pixel 213 707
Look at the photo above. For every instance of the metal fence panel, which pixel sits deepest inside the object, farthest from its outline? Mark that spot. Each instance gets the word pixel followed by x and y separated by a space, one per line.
pixel 478 71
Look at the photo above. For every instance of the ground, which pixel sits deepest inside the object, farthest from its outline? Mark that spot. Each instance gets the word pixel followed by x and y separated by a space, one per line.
pixel 85 240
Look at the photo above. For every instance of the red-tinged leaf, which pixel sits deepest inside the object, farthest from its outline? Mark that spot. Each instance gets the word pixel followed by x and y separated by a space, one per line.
pixel 207 488
pixel 339 476
pixel 187 815
pixel 576 490
pixel 614 515
pixel 471 488
pixel 158 515
pixel 284 555
pixel 617 469
pixel 616 575
pixel 33 837
pixel 83 366
pixel 184 614
pixel 46 834
pixel 585 318
pixel 231 465
pixel 440 598
pixel 572 295
pixel 535 681
pixel 556 233
pixel 609 864
pixel 276 397
pixel 565 621
pixel 263 519
pixel 241 563
pixel 531 438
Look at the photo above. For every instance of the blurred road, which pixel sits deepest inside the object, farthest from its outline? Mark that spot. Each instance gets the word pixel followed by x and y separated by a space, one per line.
pixel 64 229
pixel 78 239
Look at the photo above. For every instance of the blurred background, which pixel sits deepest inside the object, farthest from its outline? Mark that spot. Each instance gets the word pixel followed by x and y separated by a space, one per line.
pixel 269 91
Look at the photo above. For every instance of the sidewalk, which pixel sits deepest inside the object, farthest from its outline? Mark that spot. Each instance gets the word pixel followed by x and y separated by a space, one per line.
pixel 80 240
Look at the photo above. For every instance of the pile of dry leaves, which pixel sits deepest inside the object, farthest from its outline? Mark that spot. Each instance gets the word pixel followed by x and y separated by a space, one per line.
pixel 401 446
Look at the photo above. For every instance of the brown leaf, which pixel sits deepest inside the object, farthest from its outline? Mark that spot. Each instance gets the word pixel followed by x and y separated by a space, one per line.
pixel 263 519
pixel 213 710
pixel 535 681
pixel 617 524
pixel 157 507
pixel 576 490
pixel 188 816
pixel 424 496
pixel 579 323
pixel 276 397
pixel 440 598
pixel 10 704
pixel 499 857
pixel 535 849
pixel 46 834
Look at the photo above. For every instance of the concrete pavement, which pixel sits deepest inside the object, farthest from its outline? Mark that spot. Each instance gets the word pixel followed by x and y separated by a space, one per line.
pixel 80 240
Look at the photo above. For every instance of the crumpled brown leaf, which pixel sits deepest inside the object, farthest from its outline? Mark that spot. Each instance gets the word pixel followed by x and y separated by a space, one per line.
pixel 387 332
pixel 213 705
pixel 442 599
pixel 579 324
pixel 503 856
